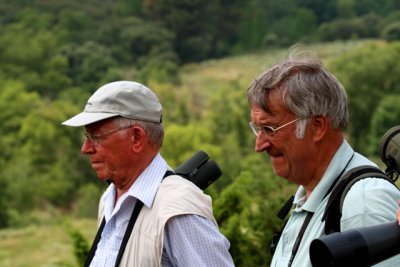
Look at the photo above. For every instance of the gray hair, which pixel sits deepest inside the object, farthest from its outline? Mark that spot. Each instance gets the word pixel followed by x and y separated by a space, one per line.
pixel 154 131
pixel 306 88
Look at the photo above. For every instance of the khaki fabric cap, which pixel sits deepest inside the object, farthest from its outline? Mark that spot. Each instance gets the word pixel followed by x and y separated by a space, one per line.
pixel 122 98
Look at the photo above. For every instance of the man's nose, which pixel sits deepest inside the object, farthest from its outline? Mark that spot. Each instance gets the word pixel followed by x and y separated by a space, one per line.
pixel 87 147
pixel 262 142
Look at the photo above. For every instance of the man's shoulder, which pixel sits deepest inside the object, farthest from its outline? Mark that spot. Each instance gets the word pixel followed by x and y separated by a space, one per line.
pixel 178 196
pixel 176 189
pixel 179 184
pixel 364 194
pixel 370 201
pixel 371 188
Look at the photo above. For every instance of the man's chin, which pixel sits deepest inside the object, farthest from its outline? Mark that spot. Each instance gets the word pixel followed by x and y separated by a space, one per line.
pixel 102 177
pixel 279 172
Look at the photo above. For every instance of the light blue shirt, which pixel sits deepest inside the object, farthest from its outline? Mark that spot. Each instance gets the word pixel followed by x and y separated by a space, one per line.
pixel 189 240
pixel 370 201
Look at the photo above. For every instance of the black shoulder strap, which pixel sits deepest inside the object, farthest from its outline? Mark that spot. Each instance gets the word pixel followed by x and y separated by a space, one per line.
pixel 96 240
pixel 300 237
pixel 285 209
pixel 129 228
pixel 333 210
pixel 283 212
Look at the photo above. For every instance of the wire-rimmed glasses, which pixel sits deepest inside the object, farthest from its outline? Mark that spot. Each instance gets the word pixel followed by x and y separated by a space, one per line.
pixel 95 138
pixel 268 130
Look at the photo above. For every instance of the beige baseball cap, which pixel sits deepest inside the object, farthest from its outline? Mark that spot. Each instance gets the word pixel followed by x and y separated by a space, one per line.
pixel 122 98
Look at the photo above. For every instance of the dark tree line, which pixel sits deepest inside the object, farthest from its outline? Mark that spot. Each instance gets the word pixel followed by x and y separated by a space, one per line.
pixel 180 31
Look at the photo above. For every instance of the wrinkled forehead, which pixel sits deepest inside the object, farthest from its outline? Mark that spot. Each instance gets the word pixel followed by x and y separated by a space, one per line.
pixel 272 102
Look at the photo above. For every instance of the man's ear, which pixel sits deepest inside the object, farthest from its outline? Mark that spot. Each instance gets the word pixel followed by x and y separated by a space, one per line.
pixel 320 124
pixel 138 138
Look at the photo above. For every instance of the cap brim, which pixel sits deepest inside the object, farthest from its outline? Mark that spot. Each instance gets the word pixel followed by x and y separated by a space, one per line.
pixel 86 118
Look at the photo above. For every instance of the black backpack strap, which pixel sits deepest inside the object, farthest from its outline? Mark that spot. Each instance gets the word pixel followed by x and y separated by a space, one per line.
pixel 96 240
pixel 129 228
pixel 300 237
pixel 283 212
pixel 285 209
pixel 333 210
pixel 168 173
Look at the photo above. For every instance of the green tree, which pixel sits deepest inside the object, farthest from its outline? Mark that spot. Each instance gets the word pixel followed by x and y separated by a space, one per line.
pixel 252 27
pixel 385 116
pixel 346 8
pixel 88 64
pixel 391 32
pixel 366 26
pixel 299 25
pixel 73 26
pixel 380 7
pixel 181 141
pixel 40 162
pixel 246 212
pixel 40 67
pixel 324 10
pixel 130 7
pixel 46 165
pixel 80 244
pixel 14 103
pixel 194 35
pixel 368 73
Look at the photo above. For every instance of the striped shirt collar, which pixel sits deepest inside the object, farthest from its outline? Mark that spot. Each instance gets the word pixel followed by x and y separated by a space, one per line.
pixel 144 188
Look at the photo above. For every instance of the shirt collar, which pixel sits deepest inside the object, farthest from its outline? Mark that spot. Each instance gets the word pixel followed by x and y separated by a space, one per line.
pixel 339 161
pixel 144 188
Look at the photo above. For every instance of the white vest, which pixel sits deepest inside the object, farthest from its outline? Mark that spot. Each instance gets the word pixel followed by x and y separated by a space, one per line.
pixel 175 196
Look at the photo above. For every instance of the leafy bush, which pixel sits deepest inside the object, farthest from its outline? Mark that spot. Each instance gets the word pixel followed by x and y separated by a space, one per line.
pixel 392 32
pixel 368 73
pixel 86 204
pixel 80 244
pixel 386 116
pixel 247 219
pixel 360 27
pixel 4 213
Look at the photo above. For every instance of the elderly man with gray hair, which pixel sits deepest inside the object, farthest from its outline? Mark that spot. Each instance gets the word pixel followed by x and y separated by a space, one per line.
pixel 298 115
pixel 146 217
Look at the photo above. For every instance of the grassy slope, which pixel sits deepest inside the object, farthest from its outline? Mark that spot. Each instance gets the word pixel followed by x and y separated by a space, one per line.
pixel 50 245
pixel 44 245
pixel 244 68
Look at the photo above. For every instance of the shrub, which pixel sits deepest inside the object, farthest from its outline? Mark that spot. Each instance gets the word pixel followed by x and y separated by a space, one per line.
pixel 391 32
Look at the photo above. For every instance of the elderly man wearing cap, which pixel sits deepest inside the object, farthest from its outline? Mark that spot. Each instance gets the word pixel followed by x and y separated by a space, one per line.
pixel 172 218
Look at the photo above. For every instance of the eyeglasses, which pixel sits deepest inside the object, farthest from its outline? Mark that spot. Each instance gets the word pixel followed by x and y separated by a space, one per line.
pixel 268 130
pixel 95 138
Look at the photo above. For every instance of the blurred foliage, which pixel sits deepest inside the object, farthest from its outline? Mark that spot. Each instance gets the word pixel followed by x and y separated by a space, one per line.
pixel 80 244
pixel 392 32
pixel 369 74
pixel 367 26
pixel 386 116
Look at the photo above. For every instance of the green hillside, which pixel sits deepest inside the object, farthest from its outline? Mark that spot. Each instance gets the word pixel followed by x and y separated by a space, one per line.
pixel 213 74
pixel 44 245
pixel 207 110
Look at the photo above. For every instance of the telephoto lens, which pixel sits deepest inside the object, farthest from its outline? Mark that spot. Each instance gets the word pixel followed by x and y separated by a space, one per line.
pixel 363 246
pixel 200 170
